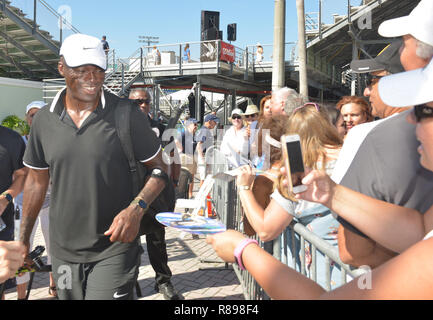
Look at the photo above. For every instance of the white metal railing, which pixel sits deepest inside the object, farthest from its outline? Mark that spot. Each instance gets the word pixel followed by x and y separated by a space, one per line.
pixel 290 48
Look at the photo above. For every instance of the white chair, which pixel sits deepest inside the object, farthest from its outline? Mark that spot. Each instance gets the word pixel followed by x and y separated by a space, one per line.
pixel 199 201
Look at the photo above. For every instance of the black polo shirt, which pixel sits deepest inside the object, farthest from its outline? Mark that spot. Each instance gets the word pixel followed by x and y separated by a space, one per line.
pixel 12 149
pixel 90 175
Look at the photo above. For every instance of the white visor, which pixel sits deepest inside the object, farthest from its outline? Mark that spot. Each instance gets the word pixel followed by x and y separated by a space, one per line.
pixel 408 88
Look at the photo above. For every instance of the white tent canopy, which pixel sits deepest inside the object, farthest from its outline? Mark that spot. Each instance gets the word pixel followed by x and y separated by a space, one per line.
pixel 183 95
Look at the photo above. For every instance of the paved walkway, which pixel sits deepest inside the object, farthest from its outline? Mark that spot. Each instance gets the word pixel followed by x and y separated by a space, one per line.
pixel 194 279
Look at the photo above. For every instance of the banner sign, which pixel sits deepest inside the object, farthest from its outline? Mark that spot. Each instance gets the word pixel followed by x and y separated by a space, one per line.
pixel 227 52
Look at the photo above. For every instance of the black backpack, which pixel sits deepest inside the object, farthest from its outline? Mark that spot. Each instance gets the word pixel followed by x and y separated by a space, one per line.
pixel 165 202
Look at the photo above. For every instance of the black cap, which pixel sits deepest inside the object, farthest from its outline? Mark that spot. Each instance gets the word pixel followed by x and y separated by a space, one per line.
pixel 388 59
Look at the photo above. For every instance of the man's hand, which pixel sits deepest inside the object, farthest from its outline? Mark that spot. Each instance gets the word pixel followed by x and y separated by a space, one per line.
pixel 321 188
pixel 12 254
pixel 126 225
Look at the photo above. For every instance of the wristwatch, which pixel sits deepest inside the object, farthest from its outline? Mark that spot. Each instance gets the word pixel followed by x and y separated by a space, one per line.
pixel 140 202
pixel 7 196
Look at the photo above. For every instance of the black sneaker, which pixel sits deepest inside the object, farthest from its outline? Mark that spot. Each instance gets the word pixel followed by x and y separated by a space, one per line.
pixel 168 291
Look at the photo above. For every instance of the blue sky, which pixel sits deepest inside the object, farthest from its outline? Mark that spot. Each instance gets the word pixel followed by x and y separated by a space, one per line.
pixel 175 21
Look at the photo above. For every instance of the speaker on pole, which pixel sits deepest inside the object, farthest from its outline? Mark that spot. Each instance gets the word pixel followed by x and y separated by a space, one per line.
pixel 231 32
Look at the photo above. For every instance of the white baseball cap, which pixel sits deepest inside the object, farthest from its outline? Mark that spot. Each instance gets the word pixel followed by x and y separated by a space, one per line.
pixel 238 112
pixel 81 49
pixel 408 88
pixel 35 104
pixel 419 24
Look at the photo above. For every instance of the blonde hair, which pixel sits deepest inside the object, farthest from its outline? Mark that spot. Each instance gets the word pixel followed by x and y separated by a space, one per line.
pixel 316 133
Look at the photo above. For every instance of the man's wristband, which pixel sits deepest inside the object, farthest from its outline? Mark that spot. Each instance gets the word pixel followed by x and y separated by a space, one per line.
pixel 7 196
pixel 240 249
pixel 244 187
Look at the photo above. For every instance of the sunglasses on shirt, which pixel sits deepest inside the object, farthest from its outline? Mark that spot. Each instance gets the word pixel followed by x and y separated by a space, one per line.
pixel 422 111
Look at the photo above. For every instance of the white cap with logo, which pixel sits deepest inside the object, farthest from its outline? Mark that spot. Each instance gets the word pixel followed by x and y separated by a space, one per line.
pixel 81 49
pixel 419 24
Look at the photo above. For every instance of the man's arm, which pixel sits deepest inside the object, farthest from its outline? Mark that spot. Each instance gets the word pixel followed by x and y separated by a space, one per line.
pixel 379 220
pixel 15 189
pixel 359 251
pixel 35 189
pixel 126 224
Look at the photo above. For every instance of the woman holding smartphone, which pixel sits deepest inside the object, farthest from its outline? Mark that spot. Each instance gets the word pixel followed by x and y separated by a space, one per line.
pixel 321 144
pixel 408 275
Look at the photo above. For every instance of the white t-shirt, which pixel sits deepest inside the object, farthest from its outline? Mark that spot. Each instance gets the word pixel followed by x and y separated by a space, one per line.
pixel 235 147
pixel 429 235
pixel 353 141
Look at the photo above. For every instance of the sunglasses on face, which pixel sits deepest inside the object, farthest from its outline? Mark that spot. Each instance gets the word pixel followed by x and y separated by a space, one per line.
pixel 371 79
pixel 251 115
pixel 236 117
pixel 143 101
pixel 422 111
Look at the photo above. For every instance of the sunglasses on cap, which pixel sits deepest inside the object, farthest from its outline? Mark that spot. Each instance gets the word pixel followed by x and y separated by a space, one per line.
pixel 236 117
pixel 141 101
pixel 422 111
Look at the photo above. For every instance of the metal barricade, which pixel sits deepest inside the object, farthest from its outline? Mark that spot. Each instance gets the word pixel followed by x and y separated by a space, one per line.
pixel 226 202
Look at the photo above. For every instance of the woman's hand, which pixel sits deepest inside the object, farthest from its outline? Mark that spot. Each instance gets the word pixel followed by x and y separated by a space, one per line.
pixel 321 188
pixel 245 176
pixel 225 244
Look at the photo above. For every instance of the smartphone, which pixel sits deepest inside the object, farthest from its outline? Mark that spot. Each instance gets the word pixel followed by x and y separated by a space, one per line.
pixel 294 162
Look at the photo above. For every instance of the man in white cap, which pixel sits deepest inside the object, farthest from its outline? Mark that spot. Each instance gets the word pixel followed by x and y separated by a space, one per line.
pixel 416 30
pixel 381 170
pixel 94 215
pixel 235 141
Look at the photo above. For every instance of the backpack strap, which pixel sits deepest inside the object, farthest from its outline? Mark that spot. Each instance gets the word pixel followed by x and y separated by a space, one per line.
pixel 123 129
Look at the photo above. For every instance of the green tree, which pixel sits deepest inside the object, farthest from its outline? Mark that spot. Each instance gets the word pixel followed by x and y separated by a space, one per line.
pixel 15 123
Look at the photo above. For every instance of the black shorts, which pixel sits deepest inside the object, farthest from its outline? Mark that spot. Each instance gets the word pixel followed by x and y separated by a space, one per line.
pixel 109 279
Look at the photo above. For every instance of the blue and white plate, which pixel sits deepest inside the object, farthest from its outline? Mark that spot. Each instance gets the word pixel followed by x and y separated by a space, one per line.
pixel 196 225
